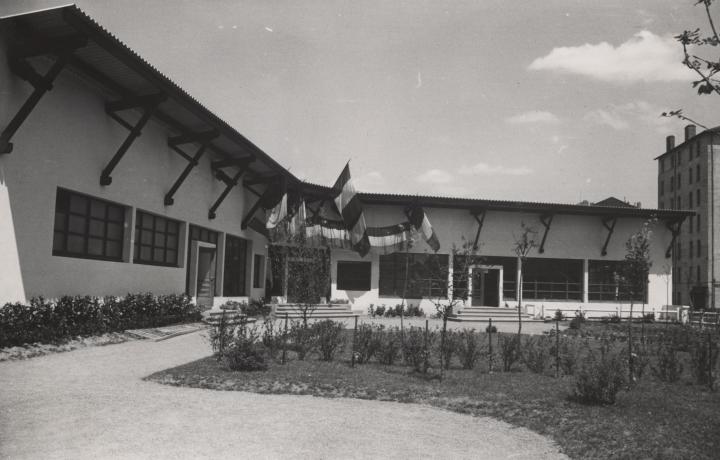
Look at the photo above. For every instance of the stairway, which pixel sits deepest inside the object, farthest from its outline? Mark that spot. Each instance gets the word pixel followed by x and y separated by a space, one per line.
pixel 320 311
pixel 232 317
pixel 497 314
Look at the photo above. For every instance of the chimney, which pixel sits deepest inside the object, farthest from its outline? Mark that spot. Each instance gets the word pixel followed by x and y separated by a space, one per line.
pixel 638 204
pixel 669 143
pixel 689 132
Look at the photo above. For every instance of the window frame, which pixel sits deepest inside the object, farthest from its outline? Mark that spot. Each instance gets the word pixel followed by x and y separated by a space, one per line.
pixel 258 271
pixel 63 198
pixel 138 244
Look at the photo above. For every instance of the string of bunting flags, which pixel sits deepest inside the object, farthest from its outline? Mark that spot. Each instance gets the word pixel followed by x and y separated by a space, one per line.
pixel 287 218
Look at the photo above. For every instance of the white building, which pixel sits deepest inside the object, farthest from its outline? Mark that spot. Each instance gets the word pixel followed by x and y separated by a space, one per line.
pixel 114 180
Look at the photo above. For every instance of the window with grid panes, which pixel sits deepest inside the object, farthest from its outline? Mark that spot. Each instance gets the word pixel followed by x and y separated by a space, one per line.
pixel 690 200
pixel 698 248
pixel 353 276
pixel 691 252
pixel 697 197
pixel 87 227
pixel 690 179
pixel 157 240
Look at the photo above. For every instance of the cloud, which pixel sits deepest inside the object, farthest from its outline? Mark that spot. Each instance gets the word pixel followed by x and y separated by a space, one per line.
pixel 645 57
pixel 435 176
pixel 533 116
pixel 634 114
pixel 603 117
pixel 493 170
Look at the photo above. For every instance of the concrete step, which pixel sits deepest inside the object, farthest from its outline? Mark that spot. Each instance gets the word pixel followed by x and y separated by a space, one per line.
pixel 322 315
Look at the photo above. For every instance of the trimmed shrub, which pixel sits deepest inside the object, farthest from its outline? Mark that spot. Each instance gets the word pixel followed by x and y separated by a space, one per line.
pixel 329 337
pixel 509 350
pixel 390 345
pixel 367 342
pixel 71 316
pixel 600 377
pixel 470 346
pixel 414 310
pixel 536 354
pixel 379 311
pixel 256 307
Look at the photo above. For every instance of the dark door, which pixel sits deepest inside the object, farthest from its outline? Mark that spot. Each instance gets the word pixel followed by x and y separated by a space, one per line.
pixel 478 288
pixel 491 297
pixel 206 276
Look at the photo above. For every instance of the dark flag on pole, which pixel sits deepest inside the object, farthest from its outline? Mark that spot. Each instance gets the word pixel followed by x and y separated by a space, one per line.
pixel 350 208
pixel 419 220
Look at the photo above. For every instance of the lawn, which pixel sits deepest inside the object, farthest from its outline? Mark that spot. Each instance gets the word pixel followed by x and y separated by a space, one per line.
pixel 654 420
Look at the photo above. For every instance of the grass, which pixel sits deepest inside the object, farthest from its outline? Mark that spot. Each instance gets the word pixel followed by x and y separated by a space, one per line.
pixel 654 420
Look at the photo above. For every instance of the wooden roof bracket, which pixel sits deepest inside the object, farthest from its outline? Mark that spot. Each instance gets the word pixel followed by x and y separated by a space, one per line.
pixel 229 184
pixel 194 161
pixel 249 216
pixel 609 223
pixel 674 227
pixel 546 221
pixel 149 104
pixel 479 216
pixel 41 85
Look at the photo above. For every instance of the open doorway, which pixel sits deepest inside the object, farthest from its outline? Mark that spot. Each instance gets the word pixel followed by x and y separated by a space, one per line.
pixel 486 285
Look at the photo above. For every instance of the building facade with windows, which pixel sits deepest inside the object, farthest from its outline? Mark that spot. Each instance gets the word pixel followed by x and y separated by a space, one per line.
pixel 687 179
pixel 113 180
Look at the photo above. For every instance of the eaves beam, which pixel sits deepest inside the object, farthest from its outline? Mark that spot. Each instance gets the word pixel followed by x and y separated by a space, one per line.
pixel 609 224
pixel 194 161
pixel 193 137
pixel 546 221
pixel 480 219
pixel 237 162
pixel 674 227
pixel 228 186
pixel 41 85
pixel 263 179
pixel 135 132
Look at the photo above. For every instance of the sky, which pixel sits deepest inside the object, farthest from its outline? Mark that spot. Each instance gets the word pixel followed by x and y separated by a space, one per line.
pixel 555 101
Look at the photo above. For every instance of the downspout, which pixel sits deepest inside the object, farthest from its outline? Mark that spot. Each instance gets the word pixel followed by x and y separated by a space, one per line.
pixel 712 218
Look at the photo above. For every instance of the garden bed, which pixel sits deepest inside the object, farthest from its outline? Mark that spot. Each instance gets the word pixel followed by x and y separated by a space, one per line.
pixel 39 349
pixel 654 420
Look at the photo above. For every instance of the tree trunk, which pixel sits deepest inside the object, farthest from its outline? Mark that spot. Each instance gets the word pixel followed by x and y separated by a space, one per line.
pixel 631 369
pixel 519 308
pixel 442 345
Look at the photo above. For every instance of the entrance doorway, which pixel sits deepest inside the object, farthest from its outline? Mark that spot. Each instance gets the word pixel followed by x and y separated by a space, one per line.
pixel 206 276
pixel 485 286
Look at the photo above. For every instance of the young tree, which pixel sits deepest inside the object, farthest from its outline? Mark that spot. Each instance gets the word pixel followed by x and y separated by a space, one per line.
pixel 634 275
pixel 448 290
pixel 525 242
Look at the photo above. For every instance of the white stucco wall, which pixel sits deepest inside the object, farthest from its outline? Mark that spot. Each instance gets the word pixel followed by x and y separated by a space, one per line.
pixel 66 142
pixel 570 237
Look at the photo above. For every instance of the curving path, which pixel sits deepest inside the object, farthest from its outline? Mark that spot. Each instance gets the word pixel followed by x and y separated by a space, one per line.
pixel 92 403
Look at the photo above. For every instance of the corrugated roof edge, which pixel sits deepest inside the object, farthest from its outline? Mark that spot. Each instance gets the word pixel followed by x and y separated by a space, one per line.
pixel 180 93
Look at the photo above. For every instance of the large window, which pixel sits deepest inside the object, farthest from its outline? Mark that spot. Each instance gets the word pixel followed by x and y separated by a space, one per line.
pixel 605 282
pixel 353 276
pixel 87 227
pixel 552 279
pixel 156 240
pixel 425 275
pixel 235 266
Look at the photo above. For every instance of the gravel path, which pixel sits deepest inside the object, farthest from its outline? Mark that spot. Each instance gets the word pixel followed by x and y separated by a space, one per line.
pixel 92 403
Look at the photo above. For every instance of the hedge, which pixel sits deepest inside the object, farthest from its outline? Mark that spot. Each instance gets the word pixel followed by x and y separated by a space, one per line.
pixel 71 316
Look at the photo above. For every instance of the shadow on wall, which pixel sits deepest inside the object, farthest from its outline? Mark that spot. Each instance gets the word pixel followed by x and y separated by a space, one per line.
pixel 12 288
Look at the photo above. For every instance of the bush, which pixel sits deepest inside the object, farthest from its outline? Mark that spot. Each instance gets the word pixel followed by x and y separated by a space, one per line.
pixel 221 336
pixel 509 349
pixel 641 360
pixel 367 343
pixel 569 355
pixel 53 322
pixel 450 347
pixel 390 345
pixel 559 315
pixel 273 337
pixel 414 310
pixel 704 354
pixel 491 330
pixel 600 378
pixel 577 321
pixel 536 354
pixel 379 311
pixel 416 353
pixel 469 347
pixel 256 307
pixel 301 338
pixel 667 367
pixel 649 318
pixel 246 352
pixel 329 337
